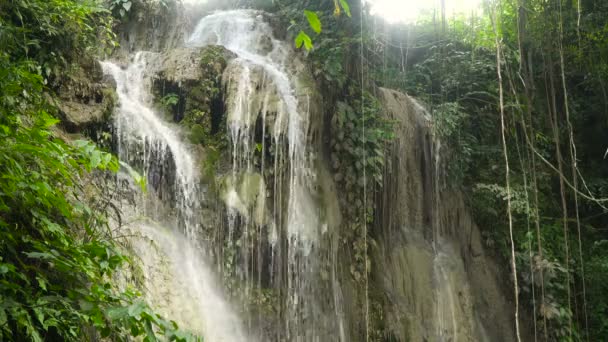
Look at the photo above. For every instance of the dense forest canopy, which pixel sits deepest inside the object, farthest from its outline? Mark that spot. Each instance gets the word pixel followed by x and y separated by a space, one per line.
pixel 517 91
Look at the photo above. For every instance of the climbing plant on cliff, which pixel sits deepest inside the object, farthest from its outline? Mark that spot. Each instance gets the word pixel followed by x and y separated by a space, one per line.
pixel 58 257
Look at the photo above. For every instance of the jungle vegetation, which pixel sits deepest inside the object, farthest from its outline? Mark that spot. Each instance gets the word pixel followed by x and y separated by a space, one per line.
pixel 518 97
pixel 58 255
pixel 518 93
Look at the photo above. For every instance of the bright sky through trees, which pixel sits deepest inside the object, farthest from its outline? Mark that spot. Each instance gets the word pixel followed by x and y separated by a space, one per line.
pixel 408 10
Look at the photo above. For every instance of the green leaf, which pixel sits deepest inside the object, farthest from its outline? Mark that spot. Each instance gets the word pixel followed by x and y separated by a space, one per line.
pixel 85 305
pixel 313 21
pixel 136 309
pixel 80 143
pixel 39 315
pixel 149 331
pixel 303 39
pixel 345 6
pixel 107 158
pixel 95 159
pixel 118 313
pixel 49 122
pixel 126 5
pixel 37 255
pixel 41 283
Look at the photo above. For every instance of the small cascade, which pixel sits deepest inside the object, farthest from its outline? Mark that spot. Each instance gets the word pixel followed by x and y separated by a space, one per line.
pixel 432 260
pixel 447 326
pixel 153 145
pixel 268 121
pixel 177 280
pixel 181 285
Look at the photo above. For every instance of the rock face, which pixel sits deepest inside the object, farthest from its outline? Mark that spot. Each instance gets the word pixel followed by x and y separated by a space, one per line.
pixel 193 77
pixel 430 265
pixel 86 100
pixel 152 25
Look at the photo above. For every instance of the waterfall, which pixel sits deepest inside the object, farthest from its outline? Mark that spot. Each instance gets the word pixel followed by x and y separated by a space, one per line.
pixel 269 218
pixel 262 96
pixel 177 280
pixel 144 140
pixel 431 256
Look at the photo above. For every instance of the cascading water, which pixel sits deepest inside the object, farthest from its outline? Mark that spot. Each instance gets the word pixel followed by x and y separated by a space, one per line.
pixel 261 96
pixel 177 280
pixel 146 141
pixel 282 257
pixel 430 255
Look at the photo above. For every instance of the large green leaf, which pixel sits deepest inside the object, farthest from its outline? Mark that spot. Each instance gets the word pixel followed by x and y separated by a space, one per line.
pixel 345 6
pixel 303 39
pixel 118 313
pixel 313 21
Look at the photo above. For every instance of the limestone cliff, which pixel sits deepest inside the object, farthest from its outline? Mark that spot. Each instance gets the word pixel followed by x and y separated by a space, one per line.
pixel 437 280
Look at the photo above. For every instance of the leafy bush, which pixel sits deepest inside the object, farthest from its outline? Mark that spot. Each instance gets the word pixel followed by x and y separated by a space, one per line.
pixel 58 258
pixel 355 152
pixel 169 100
pixel 54 34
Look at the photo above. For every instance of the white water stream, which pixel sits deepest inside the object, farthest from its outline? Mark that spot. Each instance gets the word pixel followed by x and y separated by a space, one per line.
pixel 261 92
pixel 147 141
pixel 263 62
pixel 177 279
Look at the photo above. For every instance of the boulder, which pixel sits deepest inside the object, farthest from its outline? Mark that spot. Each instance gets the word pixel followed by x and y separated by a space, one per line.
pixel 86 99
pixel 188 84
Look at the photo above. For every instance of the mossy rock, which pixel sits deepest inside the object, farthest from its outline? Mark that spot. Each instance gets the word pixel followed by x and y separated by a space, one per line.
pixel 214 59
pixel 200 97
pixel 193 76
pixel 245 193
pixel 85 99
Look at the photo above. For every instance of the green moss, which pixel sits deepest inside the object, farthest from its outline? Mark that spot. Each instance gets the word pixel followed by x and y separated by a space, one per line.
pixel 198 134
pixel 199 97
pixel 213 59
pixel 212 160
pixel 111 99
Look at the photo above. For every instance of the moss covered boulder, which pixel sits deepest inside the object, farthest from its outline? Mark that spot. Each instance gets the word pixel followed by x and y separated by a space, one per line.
pixel 85 99
pixel 189 88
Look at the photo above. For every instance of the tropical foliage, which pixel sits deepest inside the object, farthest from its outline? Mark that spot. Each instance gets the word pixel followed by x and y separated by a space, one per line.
pixel 59 261
pixel 551 56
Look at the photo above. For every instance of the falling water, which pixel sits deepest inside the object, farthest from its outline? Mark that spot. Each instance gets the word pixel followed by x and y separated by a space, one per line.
pixel 181 285
pixel 446 304
pixel 277 237
pixel 176 278
pixel 260 94
pixel 145 140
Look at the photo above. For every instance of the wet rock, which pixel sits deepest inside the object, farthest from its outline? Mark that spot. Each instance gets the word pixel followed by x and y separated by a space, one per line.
pixel 430 260
pixel 186 65
pixel 152 25
pixel 245 193
pixel 192 76
pixel 86 99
